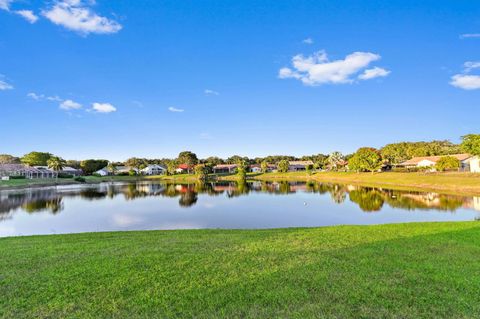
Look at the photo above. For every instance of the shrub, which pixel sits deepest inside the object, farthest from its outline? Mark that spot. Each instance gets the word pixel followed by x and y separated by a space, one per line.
pixel 64 175
pixel 447 163
pixel 17 177
pixel 96 175
pixel 80 179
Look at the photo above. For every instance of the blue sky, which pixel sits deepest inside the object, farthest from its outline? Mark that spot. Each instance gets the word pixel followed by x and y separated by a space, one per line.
pixel 115 79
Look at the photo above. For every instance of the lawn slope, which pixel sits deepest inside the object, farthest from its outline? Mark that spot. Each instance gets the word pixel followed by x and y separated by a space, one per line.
pixel 423 270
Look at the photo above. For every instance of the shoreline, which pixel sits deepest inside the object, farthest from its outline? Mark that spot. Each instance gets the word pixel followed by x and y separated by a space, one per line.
pixel 445 183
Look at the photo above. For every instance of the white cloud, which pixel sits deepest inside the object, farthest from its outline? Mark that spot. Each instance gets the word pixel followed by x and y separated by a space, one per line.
pixel 5 4
pixel 308 41
pixel 469 35
pixel 27 15
pixel 36 96
pixel 466 82
pixel 70 105
pixel 173 109
pixel 470 65
pixel 373 73
pixel 74 15
pixel 317 69
pixel 211 92
pixel 5 85
pixel 103 107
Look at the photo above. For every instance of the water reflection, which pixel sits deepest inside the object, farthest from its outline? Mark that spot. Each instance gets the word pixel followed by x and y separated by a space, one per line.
pixel 368 199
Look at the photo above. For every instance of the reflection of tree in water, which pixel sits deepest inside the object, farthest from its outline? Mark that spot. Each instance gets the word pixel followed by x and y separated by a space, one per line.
pixel 53 205
pixel 92 194
pixel 188 198
pixel 369 199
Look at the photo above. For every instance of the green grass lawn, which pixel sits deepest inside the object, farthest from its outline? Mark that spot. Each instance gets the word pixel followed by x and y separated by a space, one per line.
pixel 420 270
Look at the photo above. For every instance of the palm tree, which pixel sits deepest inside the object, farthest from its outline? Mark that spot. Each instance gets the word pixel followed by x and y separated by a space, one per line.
pixel 112 168
pixel 56 164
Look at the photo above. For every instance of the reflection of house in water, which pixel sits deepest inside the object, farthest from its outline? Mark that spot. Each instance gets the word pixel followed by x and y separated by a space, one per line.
pixel 472 203
pixel 31 200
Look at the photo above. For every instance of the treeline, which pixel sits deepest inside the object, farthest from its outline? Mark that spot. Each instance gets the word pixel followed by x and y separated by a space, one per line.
pixel 365 159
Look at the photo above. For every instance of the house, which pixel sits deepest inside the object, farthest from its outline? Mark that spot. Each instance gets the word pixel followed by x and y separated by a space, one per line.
pixel 27 171
pixel 126 170
pixel 294 166
pixel 225 168
pixel 468 163
pixel 184 168
pixel 257 168
pixel 102 172
pixel 71 171
pixel 154 169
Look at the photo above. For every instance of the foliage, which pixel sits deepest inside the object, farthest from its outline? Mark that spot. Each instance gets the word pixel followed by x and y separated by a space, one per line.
pixel 73 163
pixel 368 199
pixel 132 172
pixel 9 159
pixel 308 169
pixel 56 163
pixel 447 163
pixel 36 158
pixel 335 160
pixel 188 158
pixel 366 159
pixel 242 169
pixel 399 152
pixel 112 168
pixel 283 166
pixel 201 171
pixel 471 144
pixel 171 167
pixel 92 165
pixel 235 159
pixel 213 160
pixel 79 179
pixel 264 166
pixel 137 163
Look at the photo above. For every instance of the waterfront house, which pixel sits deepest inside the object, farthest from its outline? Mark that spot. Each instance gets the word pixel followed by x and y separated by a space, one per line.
pixel 294 166
pixel 71 171
pixel 154 169
pixel 468 163
pixel 225 168
pixel 12 170
pixel 103 172
pixel 184 169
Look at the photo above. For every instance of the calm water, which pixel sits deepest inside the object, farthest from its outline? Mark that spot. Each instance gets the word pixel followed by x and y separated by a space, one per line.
pixel 153 205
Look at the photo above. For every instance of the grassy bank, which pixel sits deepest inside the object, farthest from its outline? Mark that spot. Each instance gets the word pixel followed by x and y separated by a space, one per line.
pixel 453 183
pixel 25 183
pixel 424 270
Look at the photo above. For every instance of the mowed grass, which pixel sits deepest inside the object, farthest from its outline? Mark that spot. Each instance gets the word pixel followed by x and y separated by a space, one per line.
pixel 420 270
pixel 449 182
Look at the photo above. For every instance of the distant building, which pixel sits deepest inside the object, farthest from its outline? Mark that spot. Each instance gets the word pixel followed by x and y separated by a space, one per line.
pixel 102 172
pixel 154 169
pixel 468 163
pixel 184 168
pixel 225 168
pixel 71 171
pixel 9 170
pixel 294 166
pixel 257 168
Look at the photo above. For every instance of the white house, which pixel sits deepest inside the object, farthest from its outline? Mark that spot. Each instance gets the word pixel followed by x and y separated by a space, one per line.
pixel 103 172
pixel 468 163
pixel 294 166
pixel 154 169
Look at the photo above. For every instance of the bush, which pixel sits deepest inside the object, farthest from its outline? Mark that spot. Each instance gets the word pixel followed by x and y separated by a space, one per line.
pixel 123 174
pixel 64 175
pixel 447 163
pixel 17 177
pixel 80 179
pixel 96 175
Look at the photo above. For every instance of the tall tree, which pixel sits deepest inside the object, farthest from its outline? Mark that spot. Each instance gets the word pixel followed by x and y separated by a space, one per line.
pixel 9 159
pixel 335 160
pixel 56 163
pixel 264 166
pixel 447 163
pixel 366 159
pixel 471 144
pixel 92 165
pixel 112 168
pixel 283 166
pixel 36 158
pixel 188 158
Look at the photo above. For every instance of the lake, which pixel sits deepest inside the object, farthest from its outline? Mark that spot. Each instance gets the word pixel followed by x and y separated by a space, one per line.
pixel 156 205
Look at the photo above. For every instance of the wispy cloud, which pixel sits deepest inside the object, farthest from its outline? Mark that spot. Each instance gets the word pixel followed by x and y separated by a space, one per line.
pixel 4 85
pixel 41 97
pixel 469 35
pixel 70 105
pixel 77 16
pixel 138 103
pixel 465 80
pixel 28 15
pixel 5 4
pixel 317 69
pixel 373 73
pixel 103 107
pixel 174 109
pixel 211 92
pixel 308 41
